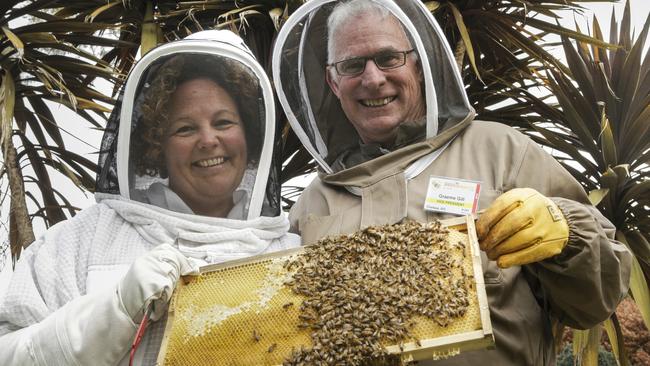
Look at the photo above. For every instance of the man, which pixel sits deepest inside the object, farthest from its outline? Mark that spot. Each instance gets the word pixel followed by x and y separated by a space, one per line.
pixel 397 126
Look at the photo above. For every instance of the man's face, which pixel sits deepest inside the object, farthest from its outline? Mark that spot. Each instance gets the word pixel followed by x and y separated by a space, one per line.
pixel 376 101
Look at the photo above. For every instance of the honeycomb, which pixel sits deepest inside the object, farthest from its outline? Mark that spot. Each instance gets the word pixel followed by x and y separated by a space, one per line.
pixel 241 313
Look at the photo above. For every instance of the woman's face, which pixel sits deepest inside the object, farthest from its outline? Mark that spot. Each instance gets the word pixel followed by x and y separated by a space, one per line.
pixel 204 147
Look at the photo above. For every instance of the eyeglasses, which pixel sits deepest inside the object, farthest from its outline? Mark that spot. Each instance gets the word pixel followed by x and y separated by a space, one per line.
pixel 384 61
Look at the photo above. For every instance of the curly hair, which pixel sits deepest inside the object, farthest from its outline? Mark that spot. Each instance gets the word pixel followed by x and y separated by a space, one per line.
pixel 147 134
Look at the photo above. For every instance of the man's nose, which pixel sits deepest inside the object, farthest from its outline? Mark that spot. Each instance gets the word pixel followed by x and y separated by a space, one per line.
pixel 372 76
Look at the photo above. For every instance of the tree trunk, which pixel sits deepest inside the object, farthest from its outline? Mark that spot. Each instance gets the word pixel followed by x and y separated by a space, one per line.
pixel 21 233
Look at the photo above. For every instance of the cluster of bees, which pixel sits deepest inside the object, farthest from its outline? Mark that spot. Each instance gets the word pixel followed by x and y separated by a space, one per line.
pixel 364 289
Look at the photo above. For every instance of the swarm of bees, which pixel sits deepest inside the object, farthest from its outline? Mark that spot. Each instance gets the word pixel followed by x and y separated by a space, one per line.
pixel 363 290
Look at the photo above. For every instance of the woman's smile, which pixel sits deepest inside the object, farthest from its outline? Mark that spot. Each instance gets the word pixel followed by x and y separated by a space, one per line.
pixel 211 162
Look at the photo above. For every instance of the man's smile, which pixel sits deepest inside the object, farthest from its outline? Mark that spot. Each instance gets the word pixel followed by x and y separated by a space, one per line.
pixel 377 102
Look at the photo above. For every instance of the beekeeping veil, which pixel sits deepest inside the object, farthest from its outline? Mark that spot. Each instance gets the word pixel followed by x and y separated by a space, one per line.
pixel 299 65
pixel 131 163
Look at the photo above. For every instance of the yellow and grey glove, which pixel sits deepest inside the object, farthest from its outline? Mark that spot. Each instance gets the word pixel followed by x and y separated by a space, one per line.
pixel 522 226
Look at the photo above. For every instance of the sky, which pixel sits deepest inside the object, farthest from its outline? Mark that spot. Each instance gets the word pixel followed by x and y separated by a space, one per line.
pixel 639 12
pixel 87 141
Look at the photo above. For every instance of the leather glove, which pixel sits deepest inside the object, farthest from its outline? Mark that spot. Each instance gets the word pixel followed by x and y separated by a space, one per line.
pixel 151 279
pixel 522 226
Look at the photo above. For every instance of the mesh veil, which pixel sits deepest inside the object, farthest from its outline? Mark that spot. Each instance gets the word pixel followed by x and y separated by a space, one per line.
pixel 300 61
pixel 124 130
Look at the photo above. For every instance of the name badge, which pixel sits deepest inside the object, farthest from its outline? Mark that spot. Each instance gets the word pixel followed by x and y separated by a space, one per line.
pixel 454 196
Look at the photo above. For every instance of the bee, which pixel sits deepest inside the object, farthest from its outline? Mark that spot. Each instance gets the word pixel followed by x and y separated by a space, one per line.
pixel 272 347
pixel 256 336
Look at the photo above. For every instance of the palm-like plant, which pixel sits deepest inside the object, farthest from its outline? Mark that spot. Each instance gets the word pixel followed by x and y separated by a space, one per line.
pixel 603 135
pixel 500 49
pixel 605 128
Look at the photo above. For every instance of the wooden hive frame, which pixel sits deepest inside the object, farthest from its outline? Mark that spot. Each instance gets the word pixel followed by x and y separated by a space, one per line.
pixel 273 349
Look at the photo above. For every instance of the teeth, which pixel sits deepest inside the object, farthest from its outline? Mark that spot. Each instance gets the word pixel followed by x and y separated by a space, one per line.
pixel 377 102
pixel 210 162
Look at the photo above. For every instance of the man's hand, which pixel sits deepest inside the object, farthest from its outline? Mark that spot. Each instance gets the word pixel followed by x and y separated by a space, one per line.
pixel 522 226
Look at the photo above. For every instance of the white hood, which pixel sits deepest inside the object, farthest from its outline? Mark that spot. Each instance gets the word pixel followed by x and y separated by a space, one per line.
pixel 208 51
pixel 315 114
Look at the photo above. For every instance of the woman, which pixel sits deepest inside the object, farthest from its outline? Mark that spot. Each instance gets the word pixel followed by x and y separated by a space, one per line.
pixel 182 183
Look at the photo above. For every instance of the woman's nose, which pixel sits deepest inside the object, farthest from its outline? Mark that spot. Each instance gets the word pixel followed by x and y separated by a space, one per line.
pixel 208 138
pixel 372 76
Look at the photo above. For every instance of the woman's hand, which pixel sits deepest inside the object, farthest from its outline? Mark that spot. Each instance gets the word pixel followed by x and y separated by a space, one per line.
pixel 151 279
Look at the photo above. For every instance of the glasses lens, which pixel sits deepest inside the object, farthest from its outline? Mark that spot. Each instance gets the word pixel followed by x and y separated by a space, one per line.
pixel 389 60
pixel 352 66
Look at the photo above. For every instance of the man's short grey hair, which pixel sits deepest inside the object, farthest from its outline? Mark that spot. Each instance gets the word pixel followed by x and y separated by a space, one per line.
pixel 345 11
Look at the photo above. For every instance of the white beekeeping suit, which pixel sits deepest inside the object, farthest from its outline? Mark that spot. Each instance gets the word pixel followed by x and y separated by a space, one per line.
pixel 80 290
